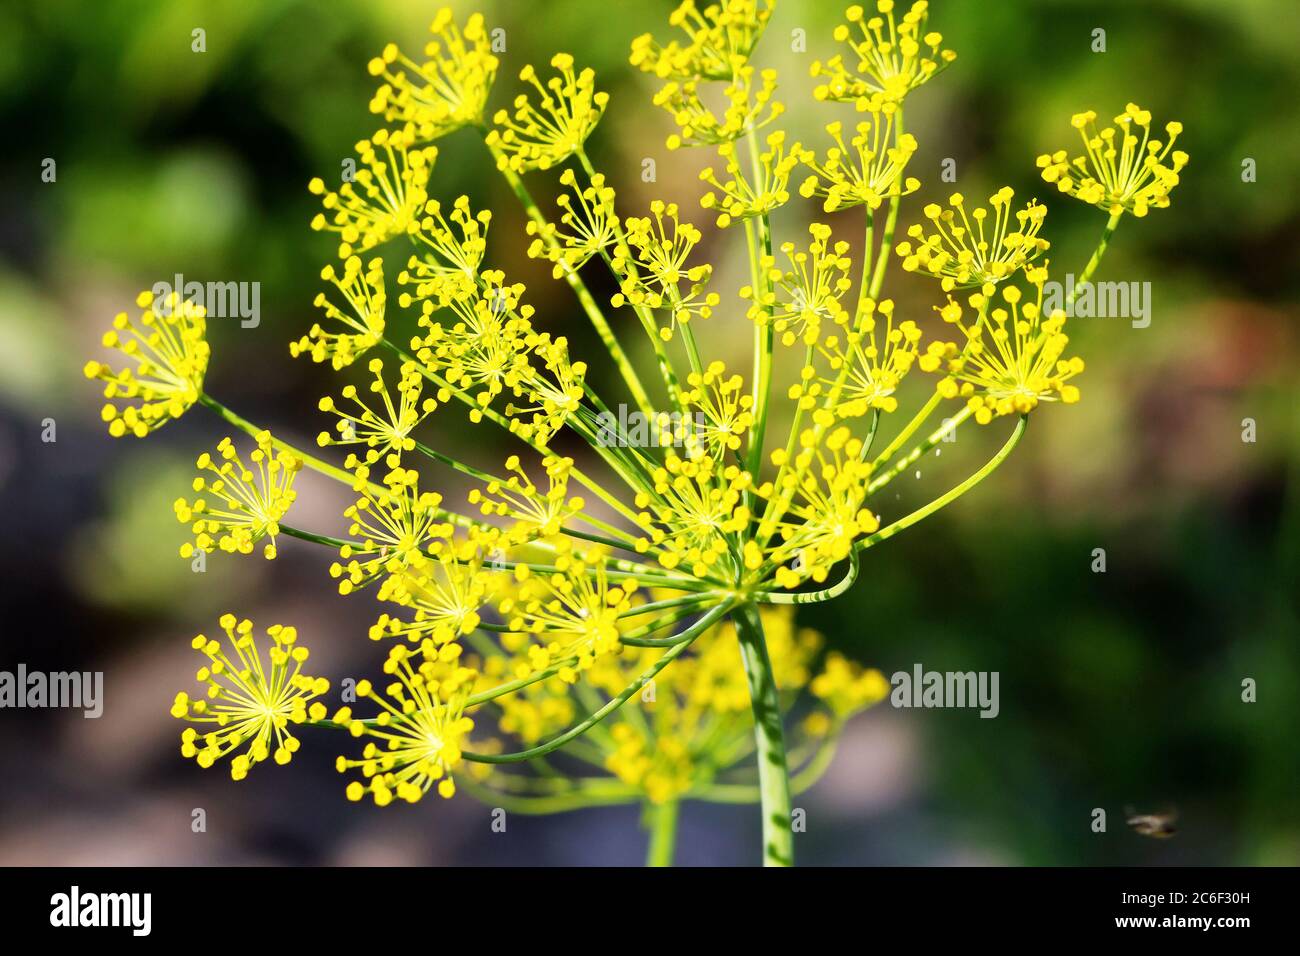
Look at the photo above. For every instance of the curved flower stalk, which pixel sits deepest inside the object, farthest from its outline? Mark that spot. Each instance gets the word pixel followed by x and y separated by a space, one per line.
pixel 607 615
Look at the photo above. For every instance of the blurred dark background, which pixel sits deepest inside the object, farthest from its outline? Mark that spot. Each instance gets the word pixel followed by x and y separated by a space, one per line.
pixel 1122 688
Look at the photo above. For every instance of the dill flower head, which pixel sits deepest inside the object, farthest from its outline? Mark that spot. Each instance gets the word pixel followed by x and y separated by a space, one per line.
pixel 654 271
pixel 446 91
pixel 392 526
pixel 722 412
pixel 168 347
pixel 551 388
pixel 240 505
pixel 384 197
pixel 819 508
pixel 809 292
pixel 723 33
pixel 738 199
pixel 587 227
pixel 870 361
pixel 250 699
pixel 1120 171
pixel 416 739
pixel 847 687
pixel 540 136
pixel 698 505
pixel 456 243
pixel 624 586
pixel 751 106
pixel 1013 354
pixel 866 172
pixel 484 351
pixel 571 613
pixel 966 250
pixel 679 740
pixel 384 430
pixel 362 321
pixel 535 512
pixel 888 58
pixel 445 594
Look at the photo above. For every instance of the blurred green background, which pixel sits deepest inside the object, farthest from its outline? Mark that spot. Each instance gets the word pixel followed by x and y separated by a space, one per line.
pixel 1122 688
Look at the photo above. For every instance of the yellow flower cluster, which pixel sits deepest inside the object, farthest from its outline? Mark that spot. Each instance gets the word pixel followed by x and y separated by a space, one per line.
pixel 810 291
pixel 449 89
pixel 677 737
pixel 738 199
pixel 1120 171
pixel 750 107
pixel 544 135
pixel 1013 355
pixel 250 699
pixel 867 174
pixel 416 739
pixel 653 271
pixel 385 196
pixel 717 37
pixel 591 222
pixel 624 586
pixel 363 321
pixel 167 344
pixel 244 505
pixel 385 430
pixel 889 58
pixel 963 252
pixel 392 525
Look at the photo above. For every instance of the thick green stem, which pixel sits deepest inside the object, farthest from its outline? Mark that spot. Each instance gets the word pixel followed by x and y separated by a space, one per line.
pixel 769 739
pixel 662 819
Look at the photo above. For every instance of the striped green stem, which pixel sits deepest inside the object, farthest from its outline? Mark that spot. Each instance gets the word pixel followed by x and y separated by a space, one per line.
pixel 813 597
pixel 662 823
pixel 769 739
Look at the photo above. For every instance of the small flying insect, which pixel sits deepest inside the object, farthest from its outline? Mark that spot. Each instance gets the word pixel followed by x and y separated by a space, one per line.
pixel 1159 826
